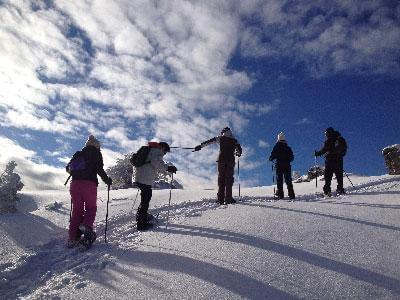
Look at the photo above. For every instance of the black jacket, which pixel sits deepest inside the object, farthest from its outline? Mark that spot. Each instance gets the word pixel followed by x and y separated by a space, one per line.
pixel 283 155
pixel 329 148
pixel 94 165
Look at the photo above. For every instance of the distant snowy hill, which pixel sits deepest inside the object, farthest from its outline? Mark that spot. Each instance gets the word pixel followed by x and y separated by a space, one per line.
pixel 343 247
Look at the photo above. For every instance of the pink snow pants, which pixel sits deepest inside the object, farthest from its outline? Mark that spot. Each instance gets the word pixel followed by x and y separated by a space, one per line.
pixel 84 206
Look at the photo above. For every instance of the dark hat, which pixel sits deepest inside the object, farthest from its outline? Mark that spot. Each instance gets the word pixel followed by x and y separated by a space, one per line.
pixel 329 130
pixel 225 130
pixel 165 146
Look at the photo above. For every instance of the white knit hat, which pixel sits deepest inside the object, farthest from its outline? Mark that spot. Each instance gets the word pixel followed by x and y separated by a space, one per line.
pixel 281 137
pixel 92 141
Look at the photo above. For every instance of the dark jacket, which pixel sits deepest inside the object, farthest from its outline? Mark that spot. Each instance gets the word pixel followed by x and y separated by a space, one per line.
pixel 329 148
pixel 228 147
pixel 283 155
pixel 94 165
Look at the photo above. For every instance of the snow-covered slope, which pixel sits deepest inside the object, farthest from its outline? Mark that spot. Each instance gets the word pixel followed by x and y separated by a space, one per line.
pixel 314 248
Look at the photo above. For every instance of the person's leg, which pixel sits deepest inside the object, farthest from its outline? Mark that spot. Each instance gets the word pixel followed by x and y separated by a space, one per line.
pixel 145 194
pixel 221 182
pixel 339 177
pixel 328 173
pixel 90 199
pixel 77 209
pixel 279 183
pixel 289 184
pixel 229 179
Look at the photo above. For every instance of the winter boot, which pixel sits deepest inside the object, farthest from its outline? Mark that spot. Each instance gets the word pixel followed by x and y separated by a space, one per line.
pixel 291 192
pixel 229 201
pixel 279 194
pixel 341 191
pixel 89 236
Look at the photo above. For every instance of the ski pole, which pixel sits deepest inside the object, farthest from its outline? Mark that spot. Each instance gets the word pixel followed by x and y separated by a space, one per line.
pixel 348 178
pixel 186 148
pixel 273 177
pixel 70 211
pixel 134 202
pixel 108 200
pixel 316 174
pixel 169 201
pixel 239 174
pixel 66 181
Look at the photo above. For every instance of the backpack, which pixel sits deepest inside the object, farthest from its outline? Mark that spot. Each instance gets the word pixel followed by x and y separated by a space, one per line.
pixel 139 158
pixel 341 146
pixel 78 166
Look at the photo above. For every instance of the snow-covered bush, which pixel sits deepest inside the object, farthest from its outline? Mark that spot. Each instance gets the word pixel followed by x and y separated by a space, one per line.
pixel 391 155
pixel 315 171
pixel 121 174
pixel 10 184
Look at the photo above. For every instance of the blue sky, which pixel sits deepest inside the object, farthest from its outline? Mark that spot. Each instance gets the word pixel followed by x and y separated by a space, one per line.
pixel 180 71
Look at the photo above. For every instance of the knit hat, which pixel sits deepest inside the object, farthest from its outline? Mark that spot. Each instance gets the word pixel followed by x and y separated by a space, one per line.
pixel 281 137
pixel 165 146
pixel 92 141
pixel 329 130
pixel 226 131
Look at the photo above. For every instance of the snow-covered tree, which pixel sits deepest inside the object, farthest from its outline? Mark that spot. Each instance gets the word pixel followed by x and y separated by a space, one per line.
pixel 121 174
pixel 10 184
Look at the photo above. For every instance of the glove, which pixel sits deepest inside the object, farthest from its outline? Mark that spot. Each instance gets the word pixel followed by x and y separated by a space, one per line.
pixel 238 153
pixel 109 181
pixel 197 148
pixel 316 153
pixel 172 169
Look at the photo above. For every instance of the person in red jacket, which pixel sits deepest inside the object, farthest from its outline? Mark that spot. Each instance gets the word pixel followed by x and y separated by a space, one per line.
pixel 84 167
pixel 228 148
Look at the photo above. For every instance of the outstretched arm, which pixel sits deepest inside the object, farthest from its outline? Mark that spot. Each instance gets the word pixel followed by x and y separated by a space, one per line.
pixel 206 143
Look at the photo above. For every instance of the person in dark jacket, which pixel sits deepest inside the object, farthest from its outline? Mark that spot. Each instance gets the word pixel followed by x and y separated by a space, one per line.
pixel 283 155
pixel 228 148
pixel 83 190
pixel 333 161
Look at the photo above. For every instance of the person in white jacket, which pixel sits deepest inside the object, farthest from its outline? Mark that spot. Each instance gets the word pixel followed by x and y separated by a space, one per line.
pixel 145 175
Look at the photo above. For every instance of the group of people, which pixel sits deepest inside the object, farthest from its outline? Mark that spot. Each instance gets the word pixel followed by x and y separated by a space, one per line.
pixel 83 188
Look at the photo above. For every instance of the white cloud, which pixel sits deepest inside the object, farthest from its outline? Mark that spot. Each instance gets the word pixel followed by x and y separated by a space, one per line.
pixel 303 121
pixel 263 144
pixel 34 175
pixel 129 71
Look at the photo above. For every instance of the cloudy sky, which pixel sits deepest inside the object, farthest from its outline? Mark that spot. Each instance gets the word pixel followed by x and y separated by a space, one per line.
pixel 179 71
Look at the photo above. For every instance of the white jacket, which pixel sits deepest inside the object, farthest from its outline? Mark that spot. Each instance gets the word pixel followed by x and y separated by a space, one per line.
pixel 147 173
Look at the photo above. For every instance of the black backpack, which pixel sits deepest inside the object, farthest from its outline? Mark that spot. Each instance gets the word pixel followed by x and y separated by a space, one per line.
pixel 78 166
pixel 341 146
pixel 139 158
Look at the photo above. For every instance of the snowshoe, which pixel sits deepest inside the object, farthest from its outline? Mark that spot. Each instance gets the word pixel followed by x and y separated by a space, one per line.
pixel 89 236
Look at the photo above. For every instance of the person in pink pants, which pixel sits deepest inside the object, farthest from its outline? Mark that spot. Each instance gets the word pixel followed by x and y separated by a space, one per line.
pixel 84 167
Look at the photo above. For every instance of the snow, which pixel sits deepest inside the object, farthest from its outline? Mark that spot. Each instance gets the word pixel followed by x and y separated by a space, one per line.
pixel 341 247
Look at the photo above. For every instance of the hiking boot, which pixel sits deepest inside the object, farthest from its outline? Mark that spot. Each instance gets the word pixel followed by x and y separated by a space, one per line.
pixel 144 226
pixel 230 201
pixel 341 191
pixel 89 236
